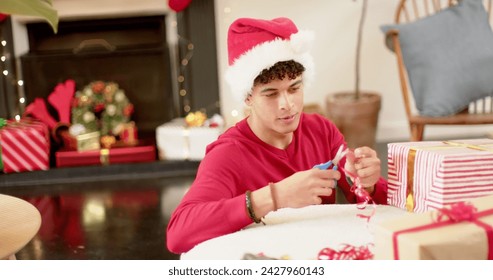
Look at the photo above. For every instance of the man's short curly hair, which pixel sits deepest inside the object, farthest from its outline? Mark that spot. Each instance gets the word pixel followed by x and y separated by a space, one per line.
pixel 280 70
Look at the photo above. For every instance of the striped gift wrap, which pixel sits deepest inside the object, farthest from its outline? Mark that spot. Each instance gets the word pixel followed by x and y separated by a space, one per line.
pixel 25 146
pixel 429 175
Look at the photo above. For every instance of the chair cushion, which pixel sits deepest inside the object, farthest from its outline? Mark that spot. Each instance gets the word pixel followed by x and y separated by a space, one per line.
pixel 448 57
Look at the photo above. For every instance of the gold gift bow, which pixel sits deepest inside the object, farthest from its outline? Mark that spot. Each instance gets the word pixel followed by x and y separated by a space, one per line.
pixel 410 202
pixel 104 156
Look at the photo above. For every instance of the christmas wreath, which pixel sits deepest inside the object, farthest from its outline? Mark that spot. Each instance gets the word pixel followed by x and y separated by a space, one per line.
pixel 101 106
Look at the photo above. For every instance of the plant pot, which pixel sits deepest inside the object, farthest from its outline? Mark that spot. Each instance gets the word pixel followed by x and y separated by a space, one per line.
pixel 356 119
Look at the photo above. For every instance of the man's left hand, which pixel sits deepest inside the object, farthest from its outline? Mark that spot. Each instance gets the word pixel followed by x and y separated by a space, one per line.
pixel 366 165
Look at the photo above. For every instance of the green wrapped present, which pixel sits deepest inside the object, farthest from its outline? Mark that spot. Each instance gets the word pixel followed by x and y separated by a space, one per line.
pixel 3 122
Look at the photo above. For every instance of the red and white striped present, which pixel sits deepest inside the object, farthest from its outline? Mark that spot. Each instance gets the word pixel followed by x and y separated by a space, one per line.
pixel 25 146
pixel 429 175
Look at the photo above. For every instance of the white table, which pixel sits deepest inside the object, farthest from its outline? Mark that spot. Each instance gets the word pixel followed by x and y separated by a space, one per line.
pixel 19 222
pixel 297 233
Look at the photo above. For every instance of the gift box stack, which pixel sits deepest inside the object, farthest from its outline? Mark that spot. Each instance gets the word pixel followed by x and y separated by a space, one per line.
pixel 187 138
pixel 101 130
pixel 461 231
pixel 94 125
pixel 429 175
pixel 106 156
pixel 24 146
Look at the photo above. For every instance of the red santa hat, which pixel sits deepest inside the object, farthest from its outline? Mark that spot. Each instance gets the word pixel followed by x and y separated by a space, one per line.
pixel 256 44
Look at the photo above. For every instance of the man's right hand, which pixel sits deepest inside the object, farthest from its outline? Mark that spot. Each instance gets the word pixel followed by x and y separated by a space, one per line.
pixel 306 187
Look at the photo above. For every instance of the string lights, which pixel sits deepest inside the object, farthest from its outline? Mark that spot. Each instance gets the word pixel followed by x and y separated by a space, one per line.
pixel 182 85
pixel 181 54
pixel 7 62
pixel 238 111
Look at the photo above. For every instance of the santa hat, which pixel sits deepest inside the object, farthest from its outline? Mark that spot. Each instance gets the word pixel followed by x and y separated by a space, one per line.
pixel 256 44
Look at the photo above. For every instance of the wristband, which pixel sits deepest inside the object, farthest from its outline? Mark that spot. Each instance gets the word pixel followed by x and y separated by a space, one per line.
pixel 251 213
pixel 273 195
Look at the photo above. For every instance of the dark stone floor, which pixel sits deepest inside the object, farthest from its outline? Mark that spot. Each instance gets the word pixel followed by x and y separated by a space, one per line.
pixel 114 212
pixel 102 220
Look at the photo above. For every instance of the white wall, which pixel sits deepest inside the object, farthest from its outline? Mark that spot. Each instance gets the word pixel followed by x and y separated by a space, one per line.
pixel 335 24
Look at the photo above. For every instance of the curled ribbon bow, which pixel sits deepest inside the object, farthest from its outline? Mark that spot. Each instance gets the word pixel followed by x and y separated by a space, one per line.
pixel 357 188
pixel 348 252
pixel 458 212
pixel 360 192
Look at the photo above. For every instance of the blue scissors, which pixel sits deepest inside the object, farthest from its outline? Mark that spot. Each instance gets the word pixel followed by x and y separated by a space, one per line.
pixel 334 162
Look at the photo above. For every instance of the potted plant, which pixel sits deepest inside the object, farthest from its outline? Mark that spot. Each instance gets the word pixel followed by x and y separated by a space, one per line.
pixel 355 113
pixel 38 8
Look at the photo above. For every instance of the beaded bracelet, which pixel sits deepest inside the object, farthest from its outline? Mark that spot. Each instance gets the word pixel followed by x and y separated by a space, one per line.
pixel 251 213
pixel 273 195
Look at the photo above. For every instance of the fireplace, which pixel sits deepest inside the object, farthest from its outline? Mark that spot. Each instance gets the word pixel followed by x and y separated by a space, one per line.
pixel 131 51
pixel 105 40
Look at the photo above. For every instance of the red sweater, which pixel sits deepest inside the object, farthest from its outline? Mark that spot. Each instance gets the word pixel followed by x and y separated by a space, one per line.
pixel 239 161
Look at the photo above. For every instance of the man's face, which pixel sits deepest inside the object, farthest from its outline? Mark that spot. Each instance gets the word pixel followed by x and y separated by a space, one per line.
pixel 276 107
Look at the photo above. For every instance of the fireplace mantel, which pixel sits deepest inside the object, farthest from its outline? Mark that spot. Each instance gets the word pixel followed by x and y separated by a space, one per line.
pixel 96 9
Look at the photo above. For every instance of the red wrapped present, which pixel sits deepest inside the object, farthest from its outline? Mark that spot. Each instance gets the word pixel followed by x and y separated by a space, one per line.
pixel 105 156
pixel 25 146
pixel 429 175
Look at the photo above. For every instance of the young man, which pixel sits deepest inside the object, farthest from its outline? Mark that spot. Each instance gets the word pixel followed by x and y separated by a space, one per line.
pixel 265 162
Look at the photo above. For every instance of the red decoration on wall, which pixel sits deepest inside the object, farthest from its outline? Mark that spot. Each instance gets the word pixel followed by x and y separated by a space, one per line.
pixel 3 17
pixel 178 5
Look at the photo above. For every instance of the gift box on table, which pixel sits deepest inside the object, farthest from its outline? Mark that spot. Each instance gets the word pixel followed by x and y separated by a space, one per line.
pixel 429 175
pixel 177 141
pixel 24 146
pixel 461 231
pixel 106 156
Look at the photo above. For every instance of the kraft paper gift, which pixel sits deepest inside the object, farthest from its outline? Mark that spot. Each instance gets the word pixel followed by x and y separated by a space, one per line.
pixel 468 235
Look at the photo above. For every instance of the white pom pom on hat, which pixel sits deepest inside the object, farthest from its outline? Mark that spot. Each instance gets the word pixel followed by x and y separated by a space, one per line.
pixel 257 44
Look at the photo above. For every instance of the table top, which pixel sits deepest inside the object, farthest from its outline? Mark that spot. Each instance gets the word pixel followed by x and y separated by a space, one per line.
pixel 298 233
pixel 19 222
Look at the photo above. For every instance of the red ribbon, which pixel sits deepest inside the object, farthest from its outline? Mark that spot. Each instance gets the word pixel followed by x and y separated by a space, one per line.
pixel 178 5
pixel 348 252
pixel 457 213
pixel 3 17
pixel 362 194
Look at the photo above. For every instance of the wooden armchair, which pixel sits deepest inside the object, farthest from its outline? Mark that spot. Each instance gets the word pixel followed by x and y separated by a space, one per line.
pixel 479 112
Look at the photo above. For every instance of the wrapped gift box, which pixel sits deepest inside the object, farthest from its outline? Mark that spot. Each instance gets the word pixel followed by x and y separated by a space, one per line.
pixel 105 156
pixel 424 176
pixel 83 142
pixel 176 141
pixel 25 146
pixel 462 234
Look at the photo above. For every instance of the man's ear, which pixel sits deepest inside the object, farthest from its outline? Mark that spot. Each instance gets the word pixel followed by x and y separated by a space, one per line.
pixel 248 99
